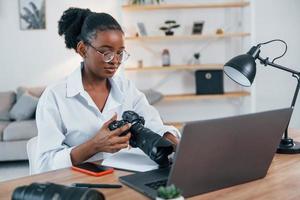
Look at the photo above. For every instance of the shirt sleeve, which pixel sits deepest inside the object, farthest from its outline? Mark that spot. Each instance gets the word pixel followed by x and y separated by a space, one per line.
pixel 150 114
pixel 52 153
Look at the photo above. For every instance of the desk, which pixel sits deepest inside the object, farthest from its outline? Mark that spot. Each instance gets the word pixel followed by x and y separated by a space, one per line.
pixel 281 182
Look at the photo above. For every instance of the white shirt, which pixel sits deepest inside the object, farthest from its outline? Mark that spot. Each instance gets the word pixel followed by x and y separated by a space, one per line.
pixel 67 116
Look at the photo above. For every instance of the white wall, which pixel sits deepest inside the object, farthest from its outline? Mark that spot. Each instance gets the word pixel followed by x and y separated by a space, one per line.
pixel 35 58
pixel 278 19
pixel 38 57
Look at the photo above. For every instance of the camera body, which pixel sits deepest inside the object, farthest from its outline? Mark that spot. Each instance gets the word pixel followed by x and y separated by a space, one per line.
pixel 43 191
pixel 152 144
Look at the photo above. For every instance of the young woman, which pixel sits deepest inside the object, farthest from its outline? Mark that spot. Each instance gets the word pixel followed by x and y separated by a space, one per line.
pixel 73 115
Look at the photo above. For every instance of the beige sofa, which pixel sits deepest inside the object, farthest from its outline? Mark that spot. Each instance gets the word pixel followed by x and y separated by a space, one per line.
pixel 17 123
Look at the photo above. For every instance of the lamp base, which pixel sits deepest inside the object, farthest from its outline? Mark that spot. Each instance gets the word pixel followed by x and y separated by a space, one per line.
pixel 288 146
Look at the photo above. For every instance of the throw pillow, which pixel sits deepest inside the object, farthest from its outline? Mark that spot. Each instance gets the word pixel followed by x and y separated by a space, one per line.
pixel 34 91
pixel 24 108
pixel 7 100
pixel 152 96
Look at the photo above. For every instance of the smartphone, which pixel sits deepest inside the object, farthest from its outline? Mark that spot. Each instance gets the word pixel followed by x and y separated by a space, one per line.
pixel 92 169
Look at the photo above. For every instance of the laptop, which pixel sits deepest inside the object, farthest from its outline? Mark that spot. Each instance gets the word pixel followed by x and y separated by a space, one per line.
pixel 218 153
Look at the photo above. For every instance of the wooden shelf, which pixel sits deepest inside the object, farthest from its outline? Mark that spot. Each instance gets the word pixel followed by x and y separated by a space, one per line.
pixel 199 97
pixel 188 37
pixel 185 6
pixel 176 67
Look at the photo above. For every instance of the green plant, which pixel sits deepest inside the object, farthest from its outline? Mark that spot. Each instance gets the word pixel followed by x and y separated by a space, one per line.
pixel 168 192
pixel 137 2
pixel 170 24
pixel 144 1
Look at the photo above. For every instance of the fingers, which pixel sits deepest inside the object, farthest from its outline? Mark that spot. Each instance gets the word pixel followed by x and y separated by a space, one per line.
pixel 118 147
pixel 122 139
pixel 121 130
pixel 114 118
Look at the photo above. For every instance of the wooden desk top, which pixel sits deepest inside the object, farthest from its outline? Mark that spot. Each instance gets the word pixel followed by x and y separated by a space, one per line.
pixel 281 182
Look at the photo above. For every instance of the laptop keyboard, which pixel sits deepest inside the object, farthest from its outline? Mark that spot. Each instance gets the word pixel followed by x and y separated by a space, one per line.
pixel 155 185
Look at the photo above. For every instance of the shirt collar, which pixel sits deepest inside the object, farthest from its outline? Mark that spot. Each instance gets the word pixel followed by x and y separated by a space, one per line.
pixel 74 82
pixel 116 91
pixel 75 86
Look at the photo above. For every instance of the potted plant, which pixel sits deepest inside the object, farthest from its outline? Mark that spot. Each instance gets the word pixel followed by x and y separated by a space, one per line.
pixel 170 24
pixel 169 192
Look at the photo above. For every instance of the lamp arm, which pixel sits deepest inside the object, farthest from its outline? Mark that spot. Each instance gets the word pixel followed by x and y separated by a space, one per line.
pixel 267 62
pixel 296 74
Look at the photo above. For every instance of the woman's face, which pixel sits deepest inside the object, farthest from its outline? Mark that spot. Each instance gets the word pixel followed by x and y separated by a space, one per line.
pixel 104 44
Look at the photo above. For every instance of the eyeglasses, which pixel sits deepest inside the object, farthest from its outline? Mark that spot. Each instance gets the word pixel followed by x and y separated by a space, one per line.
pixel 109 55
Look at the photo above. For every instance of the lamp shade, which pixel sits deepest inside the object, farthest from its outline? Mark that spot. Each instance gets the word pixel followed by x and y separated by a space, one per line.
pixel 241 69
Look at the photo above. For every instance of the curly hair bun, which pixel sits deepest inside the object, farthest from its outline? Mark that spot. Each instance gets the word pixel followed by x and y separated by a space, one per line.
pixel 70 25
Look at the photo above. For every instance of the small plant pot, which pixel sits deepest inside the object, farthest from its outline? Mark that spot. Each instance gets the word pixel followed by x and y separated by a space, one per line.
pixel 169 33
pixel 177 198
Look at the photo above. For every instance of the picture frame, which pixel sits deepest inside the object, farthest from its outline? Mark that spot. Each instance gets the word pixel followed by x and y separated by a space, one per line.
pixel 141 29
pixel 32 14
pixel 198 27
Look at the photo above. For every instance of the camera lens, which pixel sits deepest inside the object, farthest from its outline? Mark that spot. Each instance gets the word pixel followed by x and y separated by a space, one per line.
pixel 39 191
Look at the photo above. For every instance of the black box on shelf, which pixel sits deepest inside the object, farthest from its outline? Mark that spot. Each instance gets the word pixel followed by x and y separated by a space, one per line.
pixel 209 82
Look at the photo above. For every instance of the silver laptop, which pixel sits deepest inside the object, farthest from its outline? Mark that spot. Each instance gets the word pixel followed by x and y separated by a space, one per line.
pixel 218 153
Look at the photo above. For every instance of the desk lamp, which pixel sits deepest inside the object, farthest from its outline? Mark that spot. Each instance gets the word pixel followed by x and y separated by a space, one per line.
pixel 242 69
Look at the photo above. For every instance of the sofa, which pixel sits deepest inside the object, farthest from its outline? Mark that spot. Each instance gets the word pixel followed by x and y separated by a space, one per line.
pixel 17 121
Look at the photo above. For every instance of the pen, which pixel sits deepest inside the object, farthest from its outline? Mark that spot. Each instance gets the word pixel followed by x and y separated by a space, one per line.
pixel 90 185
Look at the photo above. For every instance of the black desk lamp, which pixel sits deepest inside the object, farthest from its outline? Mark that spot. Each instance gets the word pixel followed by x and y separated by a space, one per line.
pixel 242 69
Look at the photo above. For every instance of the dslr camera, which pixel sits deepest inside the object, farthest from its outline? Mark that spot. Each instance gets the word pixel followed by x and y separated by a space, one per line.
pixel 45 191
pixel 152 144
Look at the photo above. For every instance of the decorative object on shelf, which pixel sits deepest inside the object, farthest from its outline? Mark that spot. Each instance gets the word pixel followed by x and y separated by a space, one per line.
pixel 166 60
pixel 220 31
pixel 141 29
pixel 134 2
pixel 140 2
pixel 170 24
pixel 195 60
pixel 32 14
pixel 198 27
pixel 140 64
pixel 169 192
pixel 156 1
pixel 242 69
pixel 209 82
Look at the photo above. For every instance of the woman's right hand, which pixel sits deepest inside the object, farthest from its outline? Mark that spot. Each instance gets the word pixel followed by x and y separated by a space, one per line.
pixel 109 141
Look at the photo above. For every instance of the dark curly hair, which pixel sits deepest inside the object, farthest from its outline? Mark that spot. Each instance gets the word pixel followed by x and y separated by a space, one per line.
pixel 82 24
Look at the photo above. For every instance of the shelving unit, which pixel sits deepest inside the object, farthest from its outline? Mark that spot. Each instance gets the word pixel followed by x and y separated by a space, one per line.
pixel 163 6
pixel 175 67
pixel 187 37
pixel 154 39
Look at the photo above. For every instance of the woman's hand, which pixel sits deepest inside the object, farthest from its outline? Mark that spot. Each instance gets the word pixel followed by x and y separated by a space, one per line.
pixel 110 141
pixel 104 141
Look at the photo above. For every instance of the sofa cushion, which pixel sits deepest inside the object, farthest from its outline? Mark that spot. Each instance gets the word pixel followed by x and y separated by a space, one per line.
pixel 34 91
pixel 13 150
pixel 7 100
pixel 3 125
pixel 21 130
pixel 25 107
